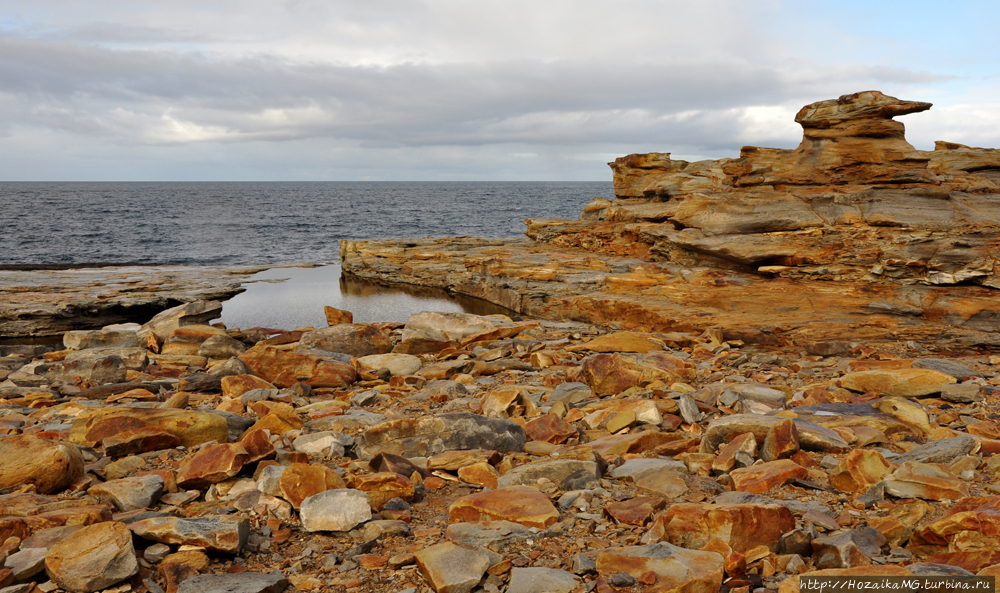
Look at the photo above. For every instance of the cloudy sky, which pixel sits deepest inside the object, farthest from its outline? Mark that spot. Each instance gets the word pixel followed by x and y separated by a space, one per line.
pixel 461 90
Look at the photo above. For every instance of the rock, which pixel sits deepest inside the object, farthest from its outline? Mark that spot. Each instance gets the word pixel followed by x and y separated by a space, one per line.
pixel 897 382
pixel 620 342
pixel 129 494
pixel 491 533
pixel 380 529
pixel 781 442
pixel 357 340
pixel 94 369
pixel 237 385
pixel 92 558
pixel 243 582
pixel 327 443
pixel 549 428
pixel 212 464
pixel 634 511
pixel 299 481
pixel 384 486
pixel 541 580
pixel 740 526
pixel 518 504
pixel 450 568
pixel 942 451
pixel 429 435
pixel 673 569
pixel 191 427
pixel 635 469
pixel 195 313
pixel 847 550
pixel 123 335
pixel 859 471
pixel 965 393
pixel 726 460
pixel 337 316
pixel 186 340
pixel 796 506
pixel 758 479
pixel 432 332
pixel 177 568
pixel 335 510
pixel 49 466
pixel 665 483
pixel 26 563
pixel 220 347
pixel 229 368
pixel 571 393
pixel 284 368
pixel 610 374
pixel 574 473
pixel 221 534
pixel 398 364
pixel 973 517
pixel 924 480
pixel 946 366
pixel 140 440
pixel 480 474
pixel 811 436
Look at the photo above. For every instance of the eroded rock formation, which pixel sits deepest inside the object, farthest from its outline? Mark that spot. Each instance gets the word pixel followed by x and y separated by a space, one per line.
pixel 750 245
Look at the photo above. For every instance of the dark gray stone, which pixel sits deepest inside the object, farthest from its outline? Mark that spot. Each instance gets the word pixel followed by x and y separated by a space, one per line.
pixel 946 366
pixel 242 582
pixel 941 451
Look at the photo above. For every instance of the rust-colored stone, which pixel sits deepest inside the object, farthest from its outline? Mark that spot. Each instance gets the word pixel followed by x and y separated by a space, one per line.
pixel 299 481
pixel 480 474
pixel 635 511
pixel 549 428
pixel 212 464
pixel 741 527
pixel 782 441
pixel 758 479
pixel 284 368
pixel 518 504
pixel 860 470
pixel 236 385
pixel 383 486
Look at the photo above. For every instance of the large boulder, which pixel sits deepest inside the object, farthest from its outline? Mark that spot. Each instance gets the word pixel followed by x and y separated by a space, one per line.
pixel 191 427
pixel 50 466
pixel 123 335
pixel 92 558
pixel 359 339
pixel 284 368
pixel 195 313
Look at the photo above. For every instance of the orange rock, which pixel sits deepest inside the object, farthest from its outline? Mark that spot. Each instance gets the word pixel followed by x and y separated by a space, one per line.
pixel 257 444
pixel 901 382
pixel 972 561
pixel 233 406
pixel 549 428
pixel 518 504
pixel 192 427
pixel 187 339
pixel 976 517
pixel 48 466
pixel 726 459
pixel 892 528
pixel 635 511
pixel 610 374
pixel 676 570
pixel 639 442
pixel 925 480
pixel 782 441
pixel 665 484
pixel 383 486
pixel 758 479
pixel 299 481
pixel 284 368
pixel 860 470
pixel 791 584
pixel 278 423
pixel 237 385
pixel 740 526
pixel 212 464
pixel 337 316
pixel 620 342
pixel 480 474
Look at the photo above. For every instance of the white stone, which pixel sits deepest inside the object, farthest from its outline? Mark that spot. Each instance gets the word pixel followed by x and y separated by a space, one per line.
pixel 335 510
pixel 398 364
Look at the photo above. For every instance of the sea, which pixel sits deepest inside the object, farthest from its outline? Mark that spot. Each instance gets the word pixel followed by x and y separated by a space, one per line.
pixel 273 224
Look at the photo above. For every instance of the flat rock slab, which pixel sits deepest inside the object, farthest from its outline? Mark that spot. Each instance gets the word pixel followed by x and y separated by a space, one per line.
pixel 244 582
pixel 93 558
pixel 519 504
pixel 221 534
pixel 451 568
pixel 430 435
pixel 335 510
pixel 50 302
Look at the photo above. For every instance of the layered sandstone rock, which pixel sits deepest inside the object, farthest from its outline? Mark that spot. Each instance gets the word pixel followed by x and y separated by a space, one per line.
pixel 751 245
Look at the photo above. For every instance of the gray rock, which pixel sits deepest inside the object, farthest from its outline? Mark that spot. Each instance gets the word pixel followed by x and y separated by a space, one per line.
pixel 946 366
pixel 233 366
pixel 961 393
pixel 930 569
pixel 941 451
pixel 358 340
pixel 571 393
pixel 451 389
pixel 258 395
pixel 123 335
pixel 874 495
pixel 328 443
pixel 26 563
pixel 382 528
pixel 241 582
pixel 574 474
pixel 841 550
pixel 218 533
pixel 46 538
pixel 363 399
pixel 221 347
pixel 582 564
pixel 335 510
pixel 156 552
pixel 105 369
pixel 689 409
pixel 811 436
pixel 796 506
pixel 495 534
pixel 429 435
pixel 541 580
pixel 636 469
pixel 452 568
pixel 129 494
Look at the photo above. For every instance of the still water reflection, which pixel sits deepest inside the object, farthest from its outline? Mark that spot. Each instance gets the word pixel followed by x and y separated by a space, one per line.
pixel 288 298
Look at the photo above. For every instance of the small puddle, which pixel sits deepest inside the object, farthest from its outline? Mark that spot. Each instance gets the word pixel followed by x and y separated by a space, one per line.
pixel 289 298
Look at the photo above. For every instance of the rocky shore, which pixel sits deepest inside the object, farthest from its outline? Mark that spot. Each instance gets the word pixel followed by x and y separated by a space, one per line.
pixel 654 416
pixel 853 237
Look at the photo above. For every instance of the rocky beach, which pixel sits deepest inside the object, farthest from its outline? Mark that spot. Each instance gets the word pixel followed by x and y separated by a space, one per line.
pixel 735 374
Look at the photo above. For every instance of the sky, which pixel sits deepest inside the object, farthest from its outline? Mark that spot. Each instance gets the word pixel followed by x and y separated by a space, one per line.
pixel 437 90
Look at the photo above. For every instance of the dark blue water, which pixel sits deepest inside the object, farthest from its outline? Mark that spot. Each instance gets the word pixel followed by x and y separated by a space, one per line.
pixel 260 223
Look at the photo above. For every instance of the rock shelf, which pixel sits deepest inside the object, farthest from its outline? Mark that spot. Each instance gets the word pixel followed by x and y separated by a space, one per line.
pixel 853 236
